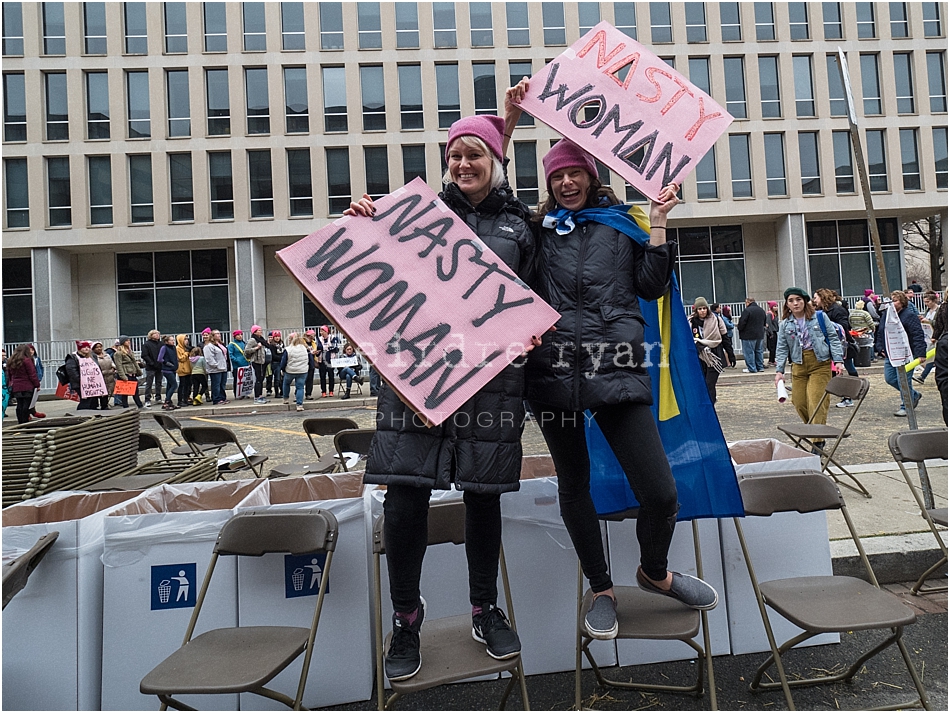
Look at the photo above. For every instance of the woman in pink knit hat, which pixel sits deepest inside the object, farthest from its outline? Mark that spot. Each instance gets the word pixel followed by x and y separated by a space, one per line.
pixel 478 448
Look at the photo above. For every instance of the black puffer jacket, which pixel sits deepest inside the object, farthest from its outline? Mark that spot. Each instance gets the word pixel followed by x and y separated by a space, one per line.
pixel 837 313
pixel 150 350
pixel 593 276
pixel 479 446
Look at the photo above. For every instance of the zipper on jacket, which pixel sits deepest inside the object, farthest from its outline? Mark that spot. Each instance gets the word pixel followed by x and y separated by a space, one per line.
pixel 578 317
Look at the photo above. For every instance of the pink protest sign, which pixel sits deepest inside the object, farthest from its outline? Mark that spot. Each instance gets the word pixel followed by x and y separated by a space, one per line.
pixel 436 312
pixel 91 382
pixel 613 97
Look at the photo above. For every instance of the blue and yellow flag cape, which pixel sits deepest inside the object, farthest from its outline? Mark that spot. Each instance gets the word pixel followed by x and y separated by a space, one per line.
pixel 688 424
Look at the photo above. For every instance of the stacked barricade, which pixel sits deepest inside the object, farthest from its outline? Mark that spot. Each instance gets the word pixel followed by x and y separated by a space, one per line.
pixel 187 469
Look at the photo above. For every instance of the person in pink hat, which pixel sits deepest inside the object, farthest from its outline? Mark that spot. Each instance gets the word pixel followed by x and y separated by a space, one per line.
pixel 257 353
pixel 328 346
pixel 482 459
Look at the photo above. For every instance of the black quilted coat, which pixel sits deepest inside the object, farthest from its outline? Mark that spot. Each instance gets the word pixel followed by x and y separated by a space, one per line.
pixel 593 276
pixel 479 447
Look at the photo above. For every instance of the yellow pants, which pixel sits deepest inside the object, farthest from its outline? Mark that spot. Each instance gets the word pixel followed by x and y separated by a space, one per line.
pixel 809 380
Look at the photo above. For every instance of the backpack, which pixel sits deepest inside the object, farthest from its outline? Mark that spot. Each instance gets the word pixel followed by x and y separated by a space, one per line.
pixel 61 374
pixel 839 330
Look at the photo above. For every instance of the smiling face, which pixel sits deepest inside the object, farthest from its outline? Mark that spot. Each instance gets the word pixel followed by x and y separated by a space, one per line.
pixel 470 169
pixel 570 187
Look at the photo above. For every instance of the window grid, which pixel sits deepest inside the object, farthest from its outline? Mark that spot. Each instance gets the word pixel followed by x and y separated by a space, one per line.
pixel 479 14
pixel 937 81
pixel 841 258
pixel 798 21
pixel 526 172
pixel 443 24
pixel 181 187
pixel 376 165
pixel 844 165
pixel 932 24
pixel 97 105
pixel 17 193
pixel 699 72
pixel 374 97
pixel 12 29
pixel 215 26
pixel 100 189
pixel 142 209
pixel 257 100
pixel 57 116
pixel 877 159
pixel 661 23
pixel 552 17
pixel 292 27
pixel 407 25
pixel 711 263
pixel 730 22
pixel 222 185
pixel 413 163
pixel 334 99
pixel 910 160
pixel 865 19
pixel 707 186
pixel 218 102
pixel 696 22
pixel 836 98
pixel 339 192
pixel 808 161
pixel 741 164
pixel 137 104
pixel 410 96
pixel 255 27
pixel 775 165
pixel 447 86
pixel 588 15
pixel 331 25
pixel 486 98
pixel 260 183
pixel 735 86
pixel 296 103
pixel 871 84
pixel 54 28
pixel 14 107
pixel 136 28
pixel 178 101
pixel 940 155
pixel 58 191
pixel 831 17
pixel 804 87
pixel 764 21
pixel 299 182
pixel 899 27
pixel 176 27
pixel 94 28
pixel 903 77
pixel 517 71
pixel 516 15
pixel 769 87
pixel 625 18
pixel 369 27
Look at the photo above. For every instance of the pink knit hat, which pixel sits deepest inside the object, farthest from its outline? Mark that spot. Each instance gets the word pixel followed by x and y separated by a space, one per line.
pixel 206 330
pixel 237 333
pixel 490 129
pixel 566 154
pixel 256 328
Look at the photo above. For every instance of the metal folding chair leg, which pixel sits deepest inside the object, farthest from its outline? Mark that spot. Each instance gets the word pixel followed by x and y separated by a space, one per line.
pixel 919 587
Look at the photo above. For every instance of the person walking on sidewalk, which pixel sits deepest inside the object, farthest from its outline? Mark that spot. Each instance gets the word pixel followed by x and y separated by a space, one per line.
pixel 910 321
pixel 932 304
pixel 216 365
pixel 709 333
pixel 752 324
pixel 153 369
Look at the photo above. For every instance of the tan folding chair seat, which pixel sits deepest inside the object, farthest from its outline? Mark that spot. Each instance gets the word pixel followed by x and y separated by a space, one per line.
pixel 358 440
pixel 200 437
pixel 172 425
pixel 326 463
pixel 17 573
pixel 917 447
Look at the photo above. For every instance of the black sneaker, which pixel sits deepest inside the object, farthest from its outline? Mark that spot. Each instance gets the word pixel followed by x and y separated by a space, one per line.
pixel 403 659
pixel 491 628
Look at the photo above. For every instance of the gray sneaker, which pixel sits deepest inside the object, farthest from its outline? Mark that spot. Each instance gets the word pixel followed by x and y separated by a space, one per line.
pixel 901 412
pixel 693 592
pixel 601 618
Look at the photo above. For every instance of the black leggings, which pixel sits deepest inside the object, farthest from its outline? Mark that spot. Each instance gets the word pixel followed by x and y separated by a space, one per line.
pixel 23 408
pixel 406 533
pixel 326 374
pixel 632 434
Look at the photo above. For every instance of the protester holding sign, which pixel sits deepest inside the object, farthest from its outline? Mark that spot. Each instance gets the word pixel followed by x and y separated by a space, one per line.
pixel 23 380
pixel 328 346
pixel 899 339
pixel 478 448
pixel 85 376
pixel 349 368
pixel 107 367
pixel 256 353
pixel 127 369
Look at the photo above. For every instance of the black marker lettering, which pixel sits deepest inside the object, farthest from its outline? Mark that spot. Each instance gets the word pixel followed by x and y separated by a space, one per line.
pixel 500 306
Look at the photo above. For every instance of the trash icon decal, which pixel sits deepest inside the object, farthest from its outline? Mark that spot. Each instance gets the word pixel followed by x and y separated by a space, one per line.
pixel 173 586
pixel 302 575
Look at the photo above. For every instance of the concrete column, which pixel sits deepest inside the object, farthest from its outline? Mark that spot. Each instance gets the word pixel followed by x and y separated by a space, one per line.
pixel 249 283
pixel 792 251
pixel 52 295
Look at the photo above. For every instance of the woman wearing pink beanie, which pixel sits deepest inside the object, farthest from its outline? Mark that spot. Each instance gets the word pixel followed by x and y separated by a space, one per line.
pixel 478 448
pixel 594 275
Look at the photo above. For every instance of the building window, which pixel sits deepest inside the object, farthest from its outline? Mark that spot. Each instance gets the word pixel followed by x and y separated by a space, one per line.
pixel 837 101
pixel 255 27
pixel 374 98
pixel 216 26
pixel 13 29
pixel 588 15
pixel 178 291
pixel 219 103
pixel 699 72
pixel 222 185
pixel 140 188
pixel 260 181
pixel 552 17
pixel 769 87
pixel 486 101
pixel 176 27
pixel 932 26
pixel 625 18
pixel 516 72
pixel 17 299
pixel 447 85
pixel 179 104
pixel 877 159
pixel 54 28
pixel 17 193
pixel 903 78
pixel 526 172
pixel 804 87
pixel 60 202
pixel 479 14
pixel 940 155
pixel 741 164
pixel 94 28
pixel 706 183
pixel 632 195
pixel 410 96
pixel 300 185
pixel 809 163
pixel 331 25
pixel 181 187
pixel 292 31
pixel 334 99
pixel 937 81
pixel 910 160
pixel 831 16
pixel 844 166
pixel 899 19
pixel 764 21
pixel 711 263
pixel 140 123
pixel 100 190
pixel 775 164
pixel 376 165
pixel 695 22
pixel 413 163
pixel 729 21
pixel 296 106
pixel 14 107
pixel 368 24
pixel 661 24
pixel 258 101
pixel 871 84
pixel 136 28
pixel 798 20
pixel 735 86
pixel 339 192
pixel 865 18
pixel 57 109
pixel 407 25
pixel 840 256
pixel 97 105
pixel 516 14
pixel 443 22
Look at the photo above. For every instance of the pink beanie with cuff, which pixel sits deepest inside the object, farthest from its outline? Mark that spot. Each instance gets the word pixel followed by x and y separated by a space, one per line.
pixel 567 154
pixel 490 129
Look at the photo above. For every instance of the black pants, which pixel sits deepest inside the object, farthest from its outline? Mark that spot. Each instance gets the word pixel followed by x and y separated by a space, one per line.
pixel 104 403
pixel 23 406
pixel 258 380
pixel 632 434
pixel 406 532
pixel 729 351
pixel 326 374
pixel 309 382
pixel 199 385
pixel 711 376
pixel 150 378
pixel 771 343
pixel 184 389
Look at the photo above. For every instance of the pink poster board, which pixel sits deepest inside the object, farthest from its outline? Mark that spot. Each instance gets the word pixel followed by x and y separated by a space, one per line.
pixel 432 308
pixel 615 98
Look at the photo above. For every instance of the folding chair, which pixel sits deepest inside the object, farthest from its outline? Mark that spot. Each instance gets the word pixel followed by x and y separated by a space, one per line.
pixel 17 572
pixel 148 441
pixel 809 436
pixel 327 463
pixel 449 653
pixel 916 447
pixel 245 659
pixel 642 615
pixel 820 604
pixel 201 437
pixel 356 440
pixel 171 425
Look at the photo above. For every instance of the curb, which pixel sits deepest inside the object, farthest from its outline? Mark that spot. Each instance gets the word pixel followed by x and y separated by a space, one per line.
pixel 894 558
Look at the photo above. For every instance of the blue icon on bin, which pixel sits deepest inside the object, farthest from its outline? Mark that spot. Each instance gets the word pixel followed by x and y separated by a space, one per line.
pixel 174 585
pixel 302 574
